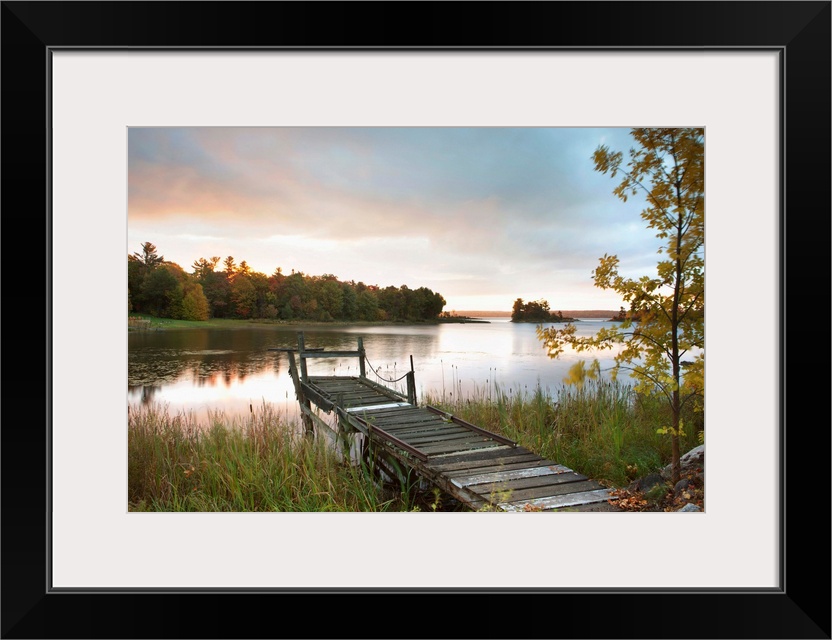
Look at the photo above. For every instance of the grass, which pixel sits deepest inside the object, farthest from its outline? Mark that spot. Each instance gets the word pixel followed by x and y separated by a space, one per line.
pixel 601 429
pixel 260 463
pixel 145 322
pixel 254 464
pixel 138 321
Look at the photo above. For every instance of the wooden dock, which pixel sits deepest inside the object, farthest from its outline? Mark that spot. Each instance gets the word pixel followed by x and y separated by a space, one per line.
pixel 482 470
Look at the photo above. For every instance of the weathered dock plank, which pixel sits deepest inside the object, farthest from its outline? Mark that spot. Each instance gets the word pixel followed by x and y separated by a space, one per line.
pixel 414 422
pixel 409 422
pixel 571 479
pixel 554 502
pixel 471 442
pixel 495 468
pixel 456 455
pixel 423 437
pixel 403 409
pixel 496 455
pixel 514 474
pixel 545 491
pixel 605 506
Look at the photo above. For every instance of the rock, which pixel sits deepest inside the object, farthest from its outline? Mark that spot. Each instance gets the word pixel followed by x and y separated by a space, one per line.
pixel 689 507
pixel 683 485
pixel 650 481
pixel 646 483
pixel 693 459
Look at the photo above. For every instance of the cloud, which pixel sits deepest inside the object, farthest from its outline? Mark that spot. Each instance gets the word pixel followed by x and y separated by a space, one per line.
pixel 473 209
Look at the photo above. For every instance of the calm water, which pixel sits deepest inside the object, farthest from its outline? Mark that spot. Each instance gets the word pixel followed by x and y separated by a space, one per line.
pixel 232 370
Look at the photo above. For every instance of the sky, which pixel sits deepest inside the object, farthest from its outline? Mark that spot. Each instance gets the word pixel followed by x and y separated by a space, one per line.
pixel 481 215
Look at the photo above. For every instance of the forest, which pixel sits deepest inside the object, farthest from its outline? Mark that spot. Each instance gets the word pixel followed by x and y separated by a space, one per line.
pixel 217 288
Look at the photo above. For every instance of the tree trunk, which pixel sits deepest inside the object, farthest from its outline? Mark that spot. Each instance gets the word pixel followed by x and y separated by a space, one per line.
pixel 676 468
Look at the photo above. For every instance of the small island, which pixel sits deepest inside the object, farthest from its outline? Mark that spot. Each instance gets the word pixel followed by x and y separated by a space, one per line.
pixel 623 315
pixel 536 311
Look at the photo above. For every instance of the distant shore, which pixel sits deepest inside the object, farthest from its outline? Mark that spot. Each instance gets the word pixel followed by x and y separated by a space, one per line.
pixel 591 313
pixel 142 322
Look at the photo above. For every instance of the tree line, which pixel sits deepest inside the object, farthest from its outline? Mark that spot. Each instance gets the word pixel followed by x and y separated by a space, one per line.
pixel 219 288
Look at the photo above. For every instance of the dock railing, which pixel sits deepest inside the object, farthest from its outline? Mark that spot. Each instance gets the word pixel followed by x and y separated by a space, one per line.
pixel 300 373
pixel 304 354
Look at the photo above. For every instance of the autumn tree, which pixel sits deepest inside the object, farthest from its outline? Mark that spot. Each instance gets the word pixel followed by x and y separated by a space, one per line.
pixel 162 291
pixel 194 303
pixel 330 298
pixel 265 300
pixel 243 295
pixel 215 285
pixel 350 301
pixel 149 257
pixel 431 303
pixel 666 320
pixel 517 309
pixel 140 265
pixel 367 303
pixel 135 280
pixel 203 268
pixel 230 266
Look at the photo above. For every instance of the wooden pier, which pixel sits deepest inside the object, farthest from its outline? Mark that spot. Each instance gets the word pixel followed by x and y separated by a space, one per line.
pixel 482 470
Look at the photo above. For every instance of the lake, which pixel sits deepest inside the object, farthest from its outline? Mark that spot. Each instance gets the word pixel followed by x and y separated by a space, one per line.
pixel 199 371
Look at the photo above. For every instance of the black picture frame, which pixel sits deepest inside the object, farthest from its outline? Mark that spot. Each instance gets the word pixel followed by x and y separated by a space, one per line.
pixel 800 31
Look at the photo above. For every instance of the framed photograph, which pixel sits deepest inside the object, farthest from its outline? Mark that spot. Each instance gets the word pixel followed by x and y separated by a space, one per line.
pixel 79 77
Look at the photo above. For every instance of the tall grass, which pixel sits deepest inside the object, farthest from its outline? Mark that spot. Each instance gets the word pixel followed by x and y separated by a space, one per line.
pixel 256 464
pixel 601 428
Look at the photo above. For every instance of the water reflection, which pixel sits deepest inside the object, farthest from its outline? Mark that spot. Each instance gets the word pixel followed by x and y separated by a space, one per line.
pixel 233 371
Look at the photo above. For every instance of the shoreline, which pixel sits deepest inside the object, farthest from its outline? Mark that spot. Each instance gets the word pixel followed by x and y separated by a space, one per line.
pixel 147 323
pixel 572 313
pixel 140 322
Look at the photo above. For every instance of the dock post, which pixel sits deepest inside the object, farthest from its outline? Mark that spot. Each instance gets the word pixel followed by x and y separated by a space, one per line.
pixel 361 355
pixel 301 350
pixel 411 384
pixel 305 404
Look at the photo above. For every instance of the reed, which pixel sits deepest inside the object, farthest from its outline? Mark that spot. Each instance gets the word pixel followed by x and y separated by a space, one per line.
pixel 601 428
pixel 260 463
